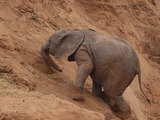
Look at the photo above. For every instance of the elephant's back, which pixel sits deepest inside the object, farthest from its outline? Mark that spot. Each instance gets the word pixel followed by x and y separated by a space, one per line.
pixel 108 52
pixel 111 49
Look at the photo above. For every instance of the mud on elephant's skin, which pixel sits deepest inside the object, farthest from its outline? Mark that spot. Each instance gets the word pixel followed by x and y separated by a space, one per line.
pixel 111 62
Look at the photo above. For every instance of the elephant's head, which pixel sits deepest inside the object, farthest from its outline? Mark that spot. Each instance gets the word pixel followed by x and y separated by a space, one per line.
pixel 62 43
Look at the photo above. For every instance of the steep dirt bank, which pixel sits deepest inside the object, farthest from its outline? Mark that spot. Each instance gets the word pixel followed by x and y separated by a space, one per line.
pixel 25 25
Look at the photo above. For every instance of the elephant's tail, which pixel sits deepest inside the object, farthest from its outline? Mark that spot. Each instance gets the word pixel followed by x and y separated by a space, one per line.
pixel 140 85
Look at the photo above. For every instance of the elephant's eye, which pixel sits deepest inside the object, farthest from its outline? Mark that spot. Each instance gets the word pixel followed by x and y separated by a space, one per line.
pixel 62 40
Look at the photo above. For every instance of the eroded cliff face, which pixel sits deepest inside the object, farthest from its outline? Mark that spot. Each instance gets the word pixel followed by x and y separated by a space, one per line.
pixel 24 75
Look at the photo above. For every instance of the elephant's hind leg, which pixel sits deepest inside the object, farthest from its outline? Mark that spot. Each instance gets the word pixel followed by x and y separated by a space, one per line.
pixel 114 91
pixel 124 109
pixel 96 89
pixel 118 105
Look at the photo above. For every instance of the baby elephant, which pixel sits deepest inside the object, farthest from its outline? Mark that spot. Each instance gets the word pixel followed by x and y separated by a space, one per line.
pixel 111 62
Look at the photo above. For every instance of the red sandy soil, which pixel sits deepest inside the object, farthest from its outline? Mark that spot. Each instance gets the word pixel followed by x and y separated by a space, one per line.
pixel 30 90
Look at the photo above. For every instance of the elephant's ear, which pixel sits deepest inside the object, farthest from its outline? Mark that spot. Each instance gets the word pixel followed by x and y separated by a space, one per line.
pixel 69 43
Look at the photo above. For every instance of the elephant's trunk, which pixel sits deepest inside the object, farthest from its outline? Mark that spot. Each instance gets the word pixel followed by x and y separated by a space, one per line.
pixel 48 59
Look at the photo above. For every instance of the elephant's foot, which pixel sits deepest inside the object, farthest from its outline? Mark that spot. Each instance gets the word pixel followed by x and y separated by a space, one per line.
pixel 109 101
pixel 78 95
pixel 113 106
pixel 124 110
pixel 123 114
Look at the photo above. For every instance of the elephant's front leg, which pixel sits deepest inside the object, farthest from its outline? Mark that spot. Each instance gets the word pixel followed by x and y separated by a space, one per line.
pixel 85 67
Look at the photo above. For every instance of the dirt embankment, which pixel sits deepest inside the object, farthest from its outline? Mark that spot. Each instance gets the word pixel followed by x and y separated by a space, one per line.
pixel 31 90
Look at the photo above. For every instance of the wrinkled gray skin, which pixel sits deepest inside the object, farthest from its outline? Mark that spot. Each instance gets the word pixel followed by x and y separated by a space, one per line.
pixel 111 63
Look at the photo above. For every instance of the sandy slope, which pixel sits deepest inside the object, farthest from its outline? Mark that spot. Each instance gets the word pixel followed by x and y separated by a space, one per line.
pixel 25 25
